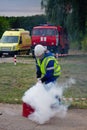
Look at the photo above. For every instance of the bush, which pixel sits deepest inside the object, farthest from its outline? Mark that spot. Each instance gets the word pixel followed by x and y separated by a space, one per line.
pixel 84 43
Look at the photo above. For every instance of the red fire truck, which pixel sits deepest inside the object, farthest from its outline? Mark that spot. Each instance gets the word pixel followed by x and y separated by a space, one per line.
pixel 55 38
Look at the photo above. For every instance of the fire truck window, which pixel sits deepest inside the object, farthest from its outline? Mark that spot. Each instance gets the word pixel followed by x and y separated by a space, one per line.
pixel 49 32
pixel 45 32
pixel 42 32
pixel 35 32
pixel 52 32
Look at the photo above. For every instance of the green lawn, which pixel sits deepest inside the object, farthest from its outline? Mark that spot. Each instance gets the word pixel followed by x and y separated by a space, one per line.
pixel 16 79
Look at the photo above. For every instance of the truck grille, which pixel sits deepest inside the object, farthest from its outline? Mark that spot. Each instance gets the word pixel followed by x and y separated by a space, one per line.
pixel 43 43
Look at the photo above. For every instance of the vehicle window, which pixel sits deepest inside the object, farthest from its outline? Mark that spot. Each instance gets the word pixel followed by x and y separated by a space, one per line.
pixel 51 32
pixel 36 32
pixel 45 32
pixel 9 39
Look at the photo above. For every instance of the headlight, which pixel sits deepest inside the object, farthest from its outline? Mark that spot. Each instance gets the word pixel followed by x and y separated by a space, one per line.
pixel 52 43
pixel 34 43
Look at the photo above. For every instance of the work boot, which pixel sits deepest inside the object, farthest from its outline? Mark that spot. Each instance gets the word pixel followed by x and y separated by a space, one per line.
pixel 57 103
pixel 59 99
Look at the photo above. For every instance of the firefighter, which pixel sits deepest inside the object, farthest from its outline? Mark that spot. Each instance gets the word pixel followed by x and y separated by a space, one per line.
pixel 48 71
pixel 47 66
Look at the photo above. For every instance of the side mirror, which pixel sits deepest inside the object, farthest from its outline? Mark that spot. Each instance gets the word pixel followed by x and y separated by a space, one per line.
pixel 20 41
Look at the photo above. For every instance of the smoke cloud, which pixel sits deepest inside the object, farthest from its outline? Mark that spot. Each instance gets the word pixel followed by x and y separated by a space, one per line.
pixel 45 100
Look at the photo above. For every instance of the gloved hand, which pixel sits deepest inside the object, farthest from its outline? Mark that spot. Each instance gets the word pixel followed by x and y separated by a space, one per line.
pixel 39 80
pixel 48 86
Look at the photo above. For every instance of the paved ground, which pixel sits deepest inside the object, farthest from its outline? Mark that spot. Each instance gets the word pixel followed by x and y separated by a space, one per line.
pixel 12 119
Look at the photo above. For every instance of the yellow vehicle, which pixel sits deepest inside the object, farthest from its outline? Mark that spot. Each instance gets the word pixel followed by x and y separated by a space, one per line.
pixel 15 42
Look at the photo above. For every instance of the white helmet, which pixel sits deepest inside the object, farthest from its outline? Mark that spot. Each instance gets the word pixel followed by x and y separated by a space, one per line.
pixel 39 50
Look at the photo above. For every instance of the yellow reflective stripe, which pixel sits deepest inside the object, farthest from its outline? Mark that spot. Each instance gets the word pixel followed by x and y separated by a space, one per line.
pixel 57 71
pixel 38 62
pixel 46 60
pixel 56 65
pixel 42 66
pixel 44 63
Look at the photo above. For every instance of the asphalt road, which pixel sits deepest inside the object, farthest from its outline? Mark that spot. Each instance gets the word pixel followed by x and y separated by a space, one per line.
pixel 11 119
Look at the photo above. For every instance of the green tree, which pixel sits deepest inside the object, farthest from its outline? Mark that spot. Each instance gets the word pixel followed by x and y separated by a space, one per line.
pixel 71 14
pixel 4 25
pixel 27 22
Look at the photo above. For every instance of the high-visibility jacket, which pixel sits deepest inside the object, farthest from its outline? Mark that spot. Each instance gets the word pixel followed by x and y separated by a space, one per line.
pixel 44 63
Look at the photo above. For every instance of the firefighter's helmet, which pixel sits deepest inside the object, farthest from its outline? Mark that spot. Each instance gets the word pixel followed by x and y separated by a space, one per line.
pixel 39 50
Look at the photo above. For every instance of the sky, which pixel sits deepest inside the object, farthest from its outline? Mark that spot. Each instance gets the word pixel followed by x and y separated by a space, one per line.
pixel 20 7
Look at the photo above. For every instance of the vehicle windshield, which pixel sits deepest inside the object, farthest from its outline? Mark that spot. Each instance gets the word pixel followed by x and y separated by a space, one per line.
pixel 9 39
pixel 44 32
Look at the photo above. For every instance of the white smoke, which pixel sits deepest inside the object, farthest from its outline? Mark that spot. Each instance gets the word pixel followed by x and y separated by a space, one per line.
pixel 42 97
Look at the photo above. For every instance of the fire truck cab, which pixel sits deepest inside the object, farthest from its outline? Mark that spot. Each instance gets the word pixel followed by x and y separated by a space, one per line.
pixel 53 37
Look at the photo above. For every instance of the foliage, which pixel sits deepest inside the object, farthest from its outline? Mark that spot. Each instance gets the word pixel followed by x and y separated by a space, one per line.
pixel 71 14
pixel 27 22
pixel 21 22
pixel 84 43
pixel 4 25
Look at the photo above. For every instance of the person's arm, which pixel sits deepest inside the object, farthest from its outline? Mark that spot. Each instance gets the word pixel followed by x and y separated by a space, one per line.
pixel 38 72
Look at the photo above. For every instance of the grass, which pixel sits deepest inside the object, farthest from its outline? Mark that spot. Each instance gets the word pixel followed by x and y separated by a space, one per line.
pixel 16 79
